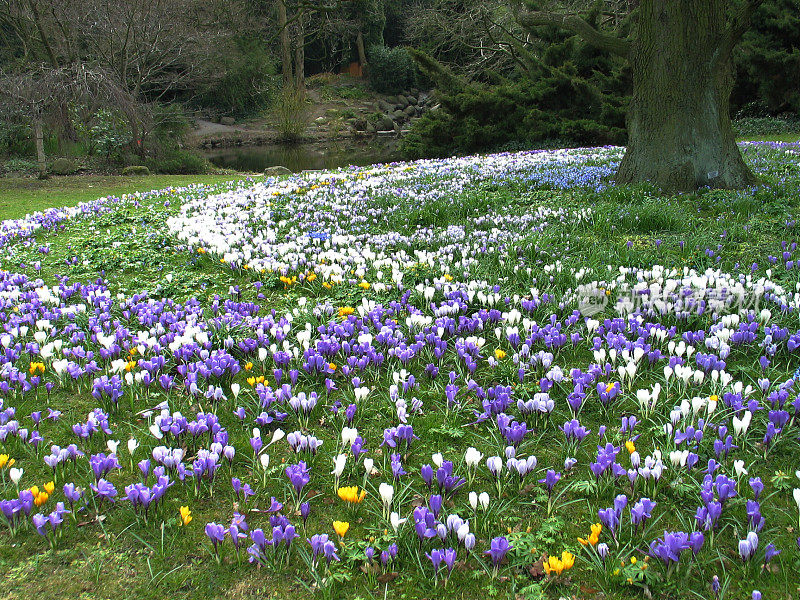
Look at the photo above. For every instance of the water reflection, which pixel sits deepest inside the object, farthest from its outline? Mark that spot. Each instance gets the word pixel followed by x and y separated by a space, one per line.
pixel 302 157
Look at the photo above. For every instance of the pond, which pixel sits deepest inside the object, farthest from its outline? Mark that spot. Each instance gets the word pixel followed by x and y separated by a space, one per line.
pixel 303 157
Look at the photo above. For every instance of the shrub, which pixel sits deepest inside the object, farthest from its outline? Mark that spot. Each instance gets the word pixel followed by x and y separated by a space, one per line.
pixel 178 162
pixel 525 113
pixel 759 126
pixel 63 166
pixel 291 114
pixel 765 59
pixel 136 170
pixel 170 123
pixel 391 70
pixel 20 165
pixel 15 139
pixel 247 85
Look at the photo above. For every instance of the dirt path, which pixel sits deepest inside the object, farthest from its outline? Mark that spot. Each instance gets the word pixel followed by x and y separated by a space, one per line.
pixel 205 128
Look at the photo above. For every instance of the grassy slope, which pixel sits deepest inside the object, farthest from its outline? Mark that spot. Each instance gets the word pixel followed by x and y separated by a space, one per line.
pixel 125 559
pixel 22 195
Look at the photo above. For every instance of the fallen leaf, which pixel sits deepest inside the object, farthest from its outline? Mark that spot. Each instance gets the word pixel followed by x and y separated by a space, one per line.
pixel 536 570
pixel 387 577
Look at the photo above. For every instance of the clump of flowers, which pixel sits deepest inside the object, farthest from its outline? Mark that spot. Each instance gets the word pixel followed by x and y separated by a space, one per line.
pixel 554 566
pixel 351 494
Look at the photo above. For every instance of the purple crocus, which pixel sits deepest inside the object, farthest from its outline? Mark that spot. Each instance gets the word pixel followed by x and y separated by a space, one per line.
pixel 497 550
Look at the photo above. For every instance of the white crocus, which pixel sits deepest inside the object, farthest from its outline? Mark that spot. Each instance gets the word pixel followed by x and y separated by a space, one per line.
pixel 386 492
pixel 277 436
pixel 396 521
pixel 472 457
pixel 796 494
pixel 473 500
pixel 155 430
pixel 132 446
pixel 483 500
pixel 740 425
pixel 112 446
pixel 349 435
pixel 338 468
pixel 15 475
pixel 369 464
pixel 235 387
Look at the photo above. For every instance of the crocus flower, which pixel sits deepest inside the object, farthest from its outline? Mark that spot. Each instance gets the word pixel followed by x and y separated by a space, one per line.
pixel 498 548
pixel 341 527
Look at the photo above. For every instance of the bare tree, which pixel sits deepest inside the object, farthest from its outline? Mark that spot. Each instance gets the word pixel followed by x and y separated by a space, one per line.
pixel 39 94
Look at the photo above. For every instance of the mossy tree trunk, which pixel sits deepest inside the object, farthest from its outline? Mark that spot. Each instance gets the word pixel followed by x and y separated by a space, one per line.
pixel 680 135
pixel 285 45
pixel 362 55
pixel 38 138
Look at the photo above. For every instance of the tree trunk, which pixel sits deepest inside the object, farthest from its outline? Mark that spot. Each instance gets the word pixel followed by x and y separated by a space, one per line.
pixel 680 135
pixel 362 55
pixel 300 56
pixel 38 135
pixel 286 48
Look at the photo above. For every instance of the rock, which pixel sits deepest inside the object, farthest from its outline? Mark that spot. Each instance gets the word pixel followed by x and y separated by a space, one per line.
pixel 228 121
pixel 371 128
pixel 410 110
pixel 413 100
pixel 402 100
pixel 415 91
pixel 398 115
pixel 276 171
pixel 360 124
pixel 319 120
pixel 384 106
pixel 63 166
pixel 391 99
pixel 136 170
pixel 385 123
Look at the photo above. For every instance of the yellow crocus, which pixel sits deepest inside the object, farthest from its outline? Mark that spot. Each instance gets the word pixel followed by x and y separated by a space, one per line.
pixel 341 527
pixel 499 354
pixel 351 494
pixel 186 515
pixel 630 447
pixel 49 487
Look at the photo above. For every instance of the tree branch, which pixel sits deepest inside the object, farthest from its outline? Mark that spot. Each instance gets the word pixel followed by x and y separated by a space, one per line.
pixel 578 26
pixel 737 27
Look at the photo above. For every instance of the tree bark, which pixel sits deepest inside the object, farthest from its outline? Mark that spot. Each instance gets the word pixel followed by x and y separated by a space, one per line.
pixel 680 135
pixel 285 45
pixel 299 56
pixel 38 135
pixel 362 55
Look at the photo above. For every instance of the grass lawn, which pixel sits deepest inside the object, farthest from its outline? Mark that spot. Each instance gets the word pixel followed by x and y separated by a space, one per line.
pixel 517 349
pixel 22 195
